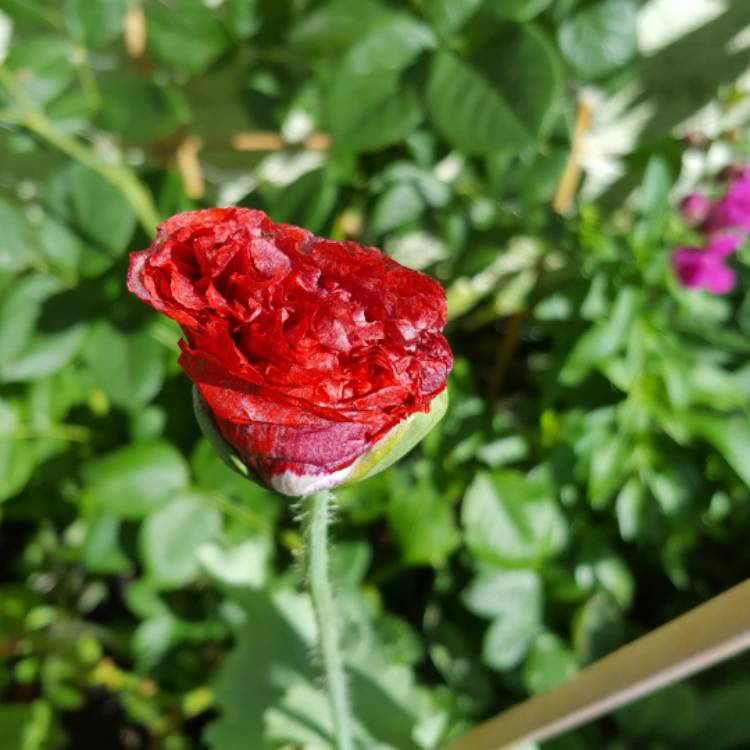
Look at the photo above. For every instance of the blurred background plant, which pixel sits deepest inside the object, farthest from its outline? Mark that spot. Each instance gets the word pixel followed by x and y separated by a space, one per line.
pixel 591 478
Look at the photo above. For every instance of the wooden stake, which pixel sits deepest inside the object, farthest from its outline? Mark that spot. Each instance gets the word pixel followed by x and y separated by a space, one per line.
pixel 706 635
pixel 134 32
pixel 571 176
pixel 269 141
pixel 190 168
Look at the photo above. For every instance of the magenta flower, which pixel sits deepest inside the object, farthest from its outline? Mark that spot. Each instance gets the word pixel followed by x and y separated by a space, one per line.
pixel 695 209
pixel 704 268
pixel 733 210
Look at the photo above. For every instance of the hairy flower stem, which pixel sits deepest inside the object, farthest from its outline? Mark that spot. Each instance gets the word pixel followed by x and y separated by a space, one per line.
pixel 316 537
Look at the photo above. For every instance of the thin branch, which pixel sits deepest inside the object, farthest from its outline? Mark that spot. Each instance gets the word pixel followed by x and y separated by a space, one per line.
pixel 119 175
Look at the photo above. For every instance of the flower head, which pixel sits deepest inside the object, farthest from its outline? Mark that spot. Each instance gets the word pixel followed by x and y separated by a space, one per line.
pixel 695 209
pixel 704 268
pixel 308 355
pixel 732 212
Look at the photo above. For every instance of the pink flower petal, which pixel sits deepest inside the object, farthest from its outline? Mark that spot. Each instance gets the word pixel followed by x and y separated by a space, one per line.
pixel 719 280
pixel 695 209
pixel 724 245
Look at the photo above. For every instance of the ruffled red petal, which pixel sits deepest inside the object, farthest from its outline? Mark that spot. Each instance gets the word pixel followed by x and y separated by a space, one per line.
pixel 307 351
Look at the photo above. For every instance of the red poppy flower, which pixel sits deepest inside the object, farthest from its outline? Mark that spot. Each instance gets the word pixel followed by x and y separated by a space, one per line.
pixel 309 354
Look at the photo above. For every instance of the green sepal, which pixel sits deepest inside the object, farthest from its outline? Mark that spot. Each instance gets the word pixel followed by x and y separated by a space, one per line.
pixel 211 432
pixel 396 444
pixel 400 440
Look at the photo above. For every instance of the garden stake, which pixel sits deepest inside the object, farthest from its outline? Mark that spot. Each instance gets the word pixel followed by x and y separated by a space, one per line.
pixel 710 633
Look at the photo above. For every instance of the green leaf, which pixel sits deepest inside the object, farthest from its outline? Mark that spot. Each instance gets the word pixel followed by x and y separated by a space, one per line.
pixel 503 100
pixel 674 713
pixel 600 38
pixel 524 68
pixel 534 181
pixel 141 110
pixel 30 12
pixel 171 538
pixel 186 35
pixel 271 655
pixel 128 366
pixel 550 662
pixel 399 204
pixel 729 435
pixel 153 638
pixel 391 45
pixel 510 519
pixel 308 202
pixel 16 727
pixel 629 509
pixel 504 450
pixel 15 240
pixel 212 474
pixel 335 25
pixel 517 10
pixel 607 467
pixel 612 575
pixel 389 123
pixel 17 458
pixel 468 111
pixel 102 552
pixel 423 524
pixel 39 329
pixel 450 15
pixel 244 17
pixel 513 599
pixel 365 108
pixel 44 66
pixel 136 480
pixel 653 196
pixel 100 211
pixel 95 24
pixel 602 340
pixel 670 488
pixel 144 600
pixel 725 722
pixel 245 564
pixel 653 200
pixel 598 628
pixel 61 247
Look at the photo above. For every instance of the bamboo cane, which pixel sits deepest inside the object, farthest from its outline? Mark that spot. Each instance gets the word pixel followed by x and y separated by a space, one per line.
pixel 571 175
pixel 706 635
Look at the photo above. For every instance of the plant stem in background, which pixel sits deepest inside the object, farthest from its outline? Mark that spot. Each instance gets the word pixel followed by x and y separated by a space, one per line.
pixel 28 115
pixel 316 537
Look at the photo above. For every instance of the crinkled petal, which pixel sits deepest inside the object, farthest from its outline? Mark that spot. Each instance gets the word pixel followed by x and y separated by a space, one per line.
pixel 306 351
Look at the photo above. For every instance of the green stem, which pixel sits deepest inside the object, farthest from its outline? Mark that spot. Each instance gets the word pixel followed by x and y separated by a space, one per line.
pixel 119 175
pixel 73 433
pixel 316 532
pixel 86 78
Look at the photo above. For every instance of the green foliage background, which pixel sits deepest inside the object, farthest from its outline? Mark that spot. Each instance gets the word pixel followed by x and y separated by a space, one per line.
pixel 589 482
